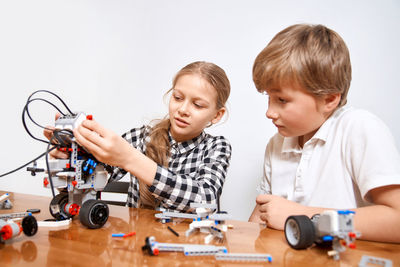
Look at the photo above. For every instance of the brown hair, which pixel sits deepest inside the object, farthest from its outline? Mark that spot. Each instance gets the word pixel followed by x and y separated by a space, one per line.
pixel 159 146
pixel 313 57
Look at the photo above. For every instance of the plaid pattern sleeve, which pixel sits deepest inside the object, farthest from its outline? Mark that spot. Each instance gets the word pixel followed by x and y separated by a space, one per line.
pixel 136 138
pixel 196 172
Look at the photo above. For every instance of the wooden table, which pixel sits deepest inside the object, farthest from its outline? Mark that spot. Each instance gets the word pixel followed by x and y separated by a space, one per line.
pixel 78 246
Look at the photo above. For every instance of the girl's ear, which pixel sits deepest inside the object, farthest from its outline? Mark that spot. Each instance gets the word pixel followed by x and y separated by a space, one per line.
pixel 218 116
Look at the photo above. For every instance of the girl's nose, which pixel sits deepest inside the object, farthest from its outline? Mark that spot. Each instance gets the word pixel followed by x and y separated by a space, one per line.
pixel 183 109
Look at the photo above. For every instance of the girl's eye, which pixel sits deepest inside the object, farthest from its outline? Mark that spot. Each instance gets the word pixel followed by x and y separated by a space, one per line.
pixel 197 105
pixel 176 97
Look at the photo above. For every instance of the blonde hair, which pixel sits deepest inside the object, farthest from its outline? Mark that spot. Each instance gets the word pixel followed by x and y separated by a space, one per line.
pixel 158 148
pixel 313 57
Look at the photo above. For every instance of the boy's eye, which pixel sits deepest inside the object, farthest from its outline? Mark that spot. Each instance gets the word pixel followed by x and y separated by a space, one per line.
pixel 281 100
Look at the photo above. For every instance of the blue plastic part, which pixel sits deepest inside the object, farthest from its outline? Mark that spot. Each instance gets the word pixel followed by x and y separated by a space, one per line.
pixel 269 259
pixel 117 235
pixel 327 238
pixel 225 251
pixel 345 212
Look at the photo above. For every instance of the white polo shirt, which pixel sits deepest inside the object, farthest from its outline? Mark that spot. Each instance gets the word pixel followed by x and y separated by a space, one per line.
pixel 352 153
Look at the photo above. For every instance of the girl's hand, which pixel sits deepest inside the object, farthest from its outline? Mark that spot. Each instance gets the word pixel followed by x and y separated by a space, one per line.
pixel 274 210
pixel 48 133
pixel 104 144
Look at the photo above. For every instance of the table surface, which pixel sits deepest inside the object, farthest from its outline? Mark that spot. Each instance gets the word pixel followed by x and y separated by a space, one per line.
pixel 76 245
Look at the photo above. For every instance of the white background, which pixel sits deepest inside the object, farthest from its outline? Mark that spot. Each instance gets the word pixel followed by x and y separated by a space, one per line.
pixel 115 60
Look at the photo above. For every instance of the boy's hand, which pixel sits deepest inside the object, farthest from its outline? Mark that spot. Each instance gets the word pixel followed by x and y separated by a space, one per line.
pixel 274 210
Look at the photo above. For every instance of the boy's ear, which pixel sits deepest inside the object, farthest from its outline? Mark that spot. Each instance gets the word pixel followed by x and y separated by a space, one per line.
pixel 218 116
pixel 332 101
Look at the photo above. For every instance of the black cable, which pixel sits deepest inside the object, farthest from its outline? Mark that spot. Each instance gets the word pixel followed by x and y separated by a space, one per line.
pixel 44 100
pixel 48 167
pixel 59 98
pixel 47 158
pixel 38 157
pixel 26 110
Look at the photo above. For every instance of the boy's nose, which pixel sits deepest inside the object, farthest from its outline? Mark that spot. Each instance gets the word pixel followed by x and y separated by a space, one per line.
pixel 271 114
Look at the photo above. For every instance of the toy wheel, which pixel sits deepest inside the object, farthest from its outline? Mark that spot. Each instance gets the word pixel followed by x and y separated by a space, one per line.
pixel 299 231
pixel 59 213
pixel 29 225
pixel 93 213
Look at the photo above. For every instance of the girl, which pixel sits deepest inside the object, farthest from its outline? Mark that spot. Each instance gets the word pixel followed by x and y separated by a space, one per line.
pixel 174 162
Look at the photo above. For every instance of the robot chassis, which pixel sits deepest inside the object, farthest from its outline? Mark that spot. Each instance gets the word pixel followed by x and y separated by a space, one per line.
pixel 79 179
pixel 331 227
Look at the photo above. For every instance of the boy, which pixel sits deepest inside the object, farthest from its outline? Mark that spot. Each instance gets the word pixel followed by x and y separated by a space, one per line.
pixel 326 155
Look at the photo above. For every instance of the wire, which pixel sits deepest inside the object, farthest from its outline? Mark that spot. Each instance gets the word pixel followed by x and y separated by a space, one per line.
pixel 41 99
pixel 38 157
pixel 59 98
pixel 26 111
pixel 68 132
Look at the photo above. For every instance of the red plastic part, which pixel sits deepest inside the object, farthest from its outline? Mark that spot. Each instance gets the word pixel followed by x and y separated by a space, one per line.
pixel 45 182
pixel 89 117
pixel 7 231
pixel 352 245
pixel 130 234
pixel 156 251
pixel 73 209
pixel 74 183
pixel 352 235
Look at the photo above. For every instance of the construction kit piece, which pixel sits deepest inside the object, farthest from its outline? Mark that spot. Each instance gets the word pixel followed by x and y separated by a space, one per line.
pixel 5 203
pixel 204 220
pixel 243 257
pixel 62 223
pixel 375 261
pixel 330 226
pixel 78 179
pixel 154 248
pixel 10 229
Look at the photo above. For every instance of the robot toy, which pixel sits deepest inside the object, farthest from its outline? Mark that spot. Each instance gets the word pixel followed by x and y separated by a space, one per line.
pixel 79 179
pixel 331 227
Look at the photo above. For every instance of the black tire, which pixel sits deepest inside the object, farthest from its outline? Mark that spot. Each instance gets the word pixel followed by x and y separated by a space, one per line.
pixel 299 231
pixel 93 213
pixel 29 225
pixel 61 200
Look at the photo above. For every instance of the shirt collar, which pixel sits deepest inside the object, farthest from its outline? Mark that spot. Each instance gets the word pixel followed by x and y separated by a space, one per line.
pixel 183 147
pixel 291 144
pixel 324 130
